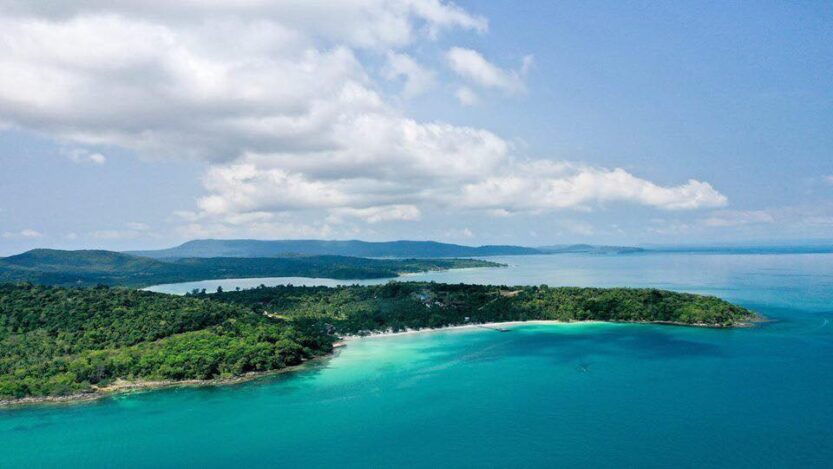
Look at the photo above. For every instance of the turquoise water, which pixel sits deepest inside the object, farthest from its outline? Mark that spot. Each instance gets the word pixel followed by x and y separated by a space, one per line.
pixel 585 395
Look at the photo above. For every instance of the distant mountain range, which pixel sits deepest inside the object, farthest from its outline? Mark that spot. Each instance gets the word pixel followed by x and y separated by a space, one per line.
pixel 307 247
pixel 434 249
pixel 86 268
pixel 589 249
pixel 217 259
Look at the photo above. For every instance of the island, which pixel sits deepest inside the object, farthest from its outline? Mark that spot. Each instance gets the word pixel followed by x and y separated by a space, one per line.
pixel 61 343
pixel 319 247
pixel 97 267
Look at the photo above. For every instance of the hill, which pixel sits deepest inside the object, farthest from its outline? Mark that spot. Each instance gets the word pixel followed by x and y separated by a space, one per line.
pixel 589 249
pixel 309 247
pixel 85 268
pixel 89 268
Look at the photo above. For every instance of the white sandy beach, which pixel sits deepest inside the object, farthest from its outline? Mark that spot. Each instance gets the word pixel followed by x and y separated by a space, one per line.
pixel 485 325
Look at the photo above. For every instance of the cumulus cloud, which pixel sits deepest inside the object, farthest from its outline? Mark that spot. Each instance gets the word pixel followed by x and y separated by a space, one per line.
pixel 278 98
pixel 417 78
pixel 472 66
pixel 138 75
pixel 542 185
pixel 359 23
pixel 27 233
pixel 380 213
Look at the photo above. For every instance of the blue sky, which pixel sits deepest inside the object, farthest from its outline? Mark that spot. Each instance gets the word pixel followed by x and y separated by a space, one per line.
pixel 138 124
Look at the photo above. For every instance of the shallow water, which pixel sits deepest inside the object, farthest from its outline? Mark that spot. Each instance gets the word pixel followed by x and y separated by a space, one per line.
pixel 588 395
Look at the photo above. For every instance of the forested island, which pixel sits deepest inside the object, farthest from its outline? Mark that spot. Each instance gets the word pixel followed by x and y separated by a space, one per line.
pixel 96 267
pixel 398 306
pixel 319 247
pixel 85 342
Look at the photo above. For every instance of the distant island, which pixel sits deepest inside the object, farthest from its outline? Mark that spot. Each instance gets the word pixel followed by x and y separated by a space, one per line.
pixel 224 259
pixel 434 249
pixel 90 268
pixel 310 247
pixel 589 249
pixel 74 343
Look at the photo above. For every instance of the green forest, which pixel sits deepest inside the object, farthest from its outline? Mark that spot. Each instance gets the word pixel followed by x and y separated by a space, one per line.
pixel 398 306
pixel 58 341
pixel 91 268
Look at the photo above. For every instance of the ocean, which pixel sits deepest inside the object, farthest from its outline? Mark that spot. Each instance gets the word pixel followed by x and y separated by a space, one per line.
pixel 565 395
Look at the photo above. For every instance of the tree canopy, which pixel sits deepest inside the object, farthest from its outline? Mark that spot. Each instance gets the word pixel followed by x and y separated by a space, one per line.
pixel 56 341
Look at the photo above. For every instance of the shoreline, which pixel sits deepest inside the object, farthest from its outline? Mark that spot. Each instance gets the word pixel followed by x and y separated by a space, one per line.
pixel 403 276
pixel 494 325
pixel 121 387
pixel 480 325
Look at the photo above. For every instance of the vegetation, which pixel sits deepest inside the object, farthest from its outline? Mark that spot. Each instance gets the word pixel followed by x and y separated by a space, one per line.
pixel 397 306
pixel 90 268
pixel 57 341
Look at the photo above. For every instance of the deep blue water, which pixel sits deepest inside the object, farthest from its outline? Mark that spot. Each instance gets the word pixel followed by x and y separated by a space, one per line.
pixel 585 395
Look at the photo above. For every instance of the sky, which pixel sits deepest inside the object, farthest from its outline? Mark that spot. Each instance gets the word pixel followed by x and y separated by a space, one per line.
pixel 145 123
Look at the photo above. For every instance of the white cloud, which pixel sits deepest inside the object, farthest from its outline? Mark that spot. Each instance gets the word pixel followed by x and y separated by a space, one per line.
pixel 30 233
pixel 357 23
pixel 380 213
pixel 727 218
pixel 472 66
pixel 179 87
pixel 27 233
pixel 80 155
pixel 417 78
pixel 466 96
pixel 829 179
pixel 287 114
pixel 542 185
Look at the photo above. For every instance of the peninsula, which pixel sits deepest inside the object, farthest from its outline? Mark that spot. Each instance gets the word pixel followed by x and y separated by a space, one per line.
pixel 75 343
